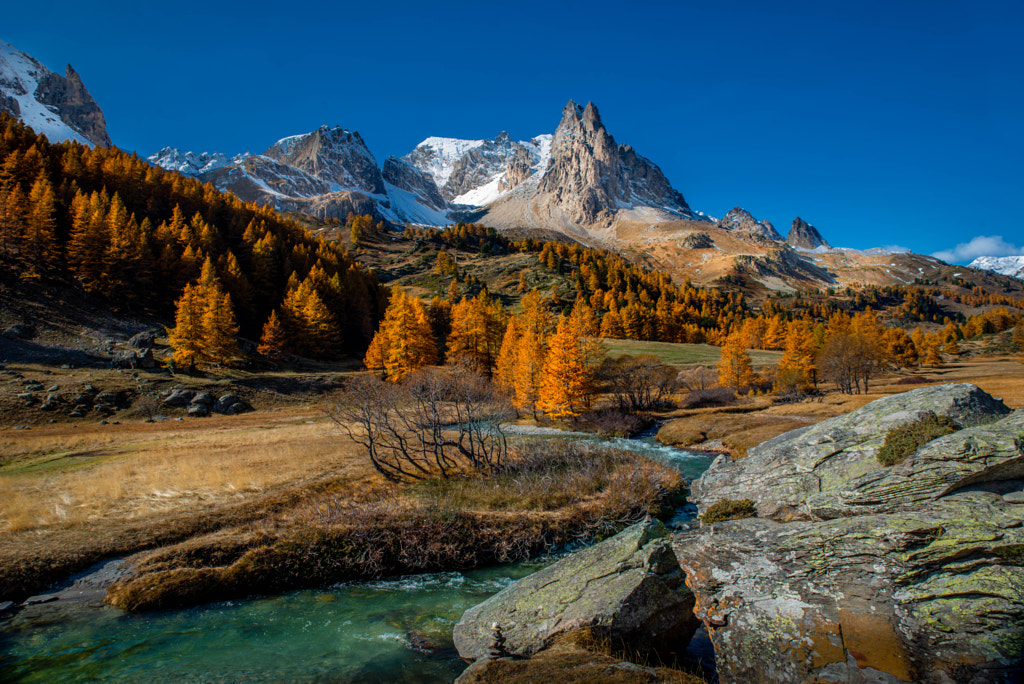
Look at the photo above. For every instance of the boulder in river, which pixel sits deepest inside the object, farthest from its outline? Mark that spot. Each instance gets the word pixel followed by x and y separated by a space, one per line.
pixel 628 590
pixel 860 572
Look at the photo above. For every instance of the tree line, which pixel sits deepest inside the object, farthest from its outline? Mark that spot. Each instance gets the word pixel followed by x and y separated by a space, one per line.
pixel 140 237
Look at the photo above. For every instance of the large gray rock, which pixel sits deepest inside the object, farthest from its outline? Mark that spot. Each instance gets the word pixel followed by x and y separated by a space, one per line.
pixel 803 472
pixel 628 589
pixel 936 595
pixel 179 397
pixel 856 572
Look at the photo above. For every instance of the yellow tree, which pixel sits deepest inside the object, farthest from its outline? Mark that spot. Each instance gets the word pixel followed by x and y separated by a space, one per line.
pixel 273 339
pixel 186 339
pixel 404 342
pixel 567 377
pixel 40 240
pixel 220 330
pixel 734 368
pixel 477 329
pixel 796 368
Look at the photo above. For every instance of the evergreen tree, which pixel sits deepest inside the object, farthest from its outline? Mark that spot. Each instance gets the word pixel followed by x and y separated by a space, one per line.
pixel 734 368
pixel 186 339
pixel 40 253
pixel 273 339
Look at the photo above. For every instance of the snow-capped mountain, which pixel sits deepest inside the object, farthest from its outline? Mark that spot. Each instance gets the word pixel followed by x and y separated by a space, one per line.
pixel 477 172
pixel 578 177
pixel 192 164
pixel 58 106
pixel 1008 265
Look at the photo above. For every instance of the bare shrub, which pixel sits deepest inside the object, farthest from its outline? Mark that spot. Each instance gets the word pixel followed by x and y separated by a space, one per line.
pixel 639 384
pixel 699 378
pixel 438 419
pixel 715 396
pixel 612 422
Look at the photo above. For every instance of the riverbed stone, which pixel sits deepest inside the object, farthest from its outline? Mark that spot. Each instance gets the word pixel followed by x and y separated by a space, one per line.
pixel 857 572
pixel 828 469
pixel 628 589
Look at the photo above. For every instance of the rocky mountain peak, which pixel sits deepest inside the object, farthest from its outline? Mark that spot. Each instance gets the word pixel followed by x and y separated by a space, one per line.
pixel 591 176
pixel 803 235
pixel 334 155
pixel 58 106
pixel 741 219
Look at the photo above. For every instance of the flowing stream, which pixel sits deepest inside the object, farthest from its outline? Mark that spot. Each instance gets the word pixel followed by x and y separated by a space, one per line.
pixel 396 630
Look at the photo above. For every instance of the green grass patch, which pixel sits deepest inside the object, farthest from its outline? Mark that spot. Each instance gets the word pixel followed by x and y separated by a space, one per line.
pixel 728 509
pixel 902 441
pixel 683 355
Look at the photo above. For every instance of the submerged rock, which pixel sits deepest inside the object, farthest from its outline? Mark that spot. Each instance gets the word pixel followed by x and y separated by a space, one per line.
pixel 628 590
pixel 857 572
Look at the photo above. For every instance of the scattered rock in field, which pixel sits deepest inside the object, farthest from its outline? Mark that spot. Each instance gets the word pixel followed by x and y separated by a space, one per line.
pixel 628 589
pixel 48 406
pixel 204 398
pixel 133 359
pixel 179 397
pixel 20 331
pixel 198 410
pixel 103 422
pixel 33 387
pixel 77 413
pixel 54 388
pixel 28 397
pixel 230 405
pixel 143 340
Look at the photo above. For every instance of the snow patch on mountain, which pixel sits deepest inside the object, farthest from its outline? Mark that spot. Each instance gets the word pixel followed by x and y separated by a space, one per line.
pixel 1007 265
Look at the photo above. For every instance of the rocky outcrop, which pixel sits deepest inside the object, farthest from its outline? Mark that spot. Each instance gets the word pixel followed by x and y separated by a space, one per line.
pixel 405 176
pixel 741 219
pixel 783 263
pixel 809 466
pixel 74 105
pixel 591 176
pixel 803 235
pixel 58 106
pixel 627 589
pixel 859 572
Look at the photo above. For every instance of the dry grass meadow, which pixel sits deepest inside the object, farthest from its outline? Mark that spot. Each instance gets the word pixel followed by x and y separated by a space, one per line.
pixel 73 494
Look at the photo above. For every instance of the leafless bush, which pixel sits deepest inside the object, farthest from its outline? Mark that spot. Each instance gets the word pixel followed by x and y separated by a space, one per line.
pixel 639 384
pixel 699 378
pixel 438 419
pixel 148 405
pixel 612 422
pixel 715 396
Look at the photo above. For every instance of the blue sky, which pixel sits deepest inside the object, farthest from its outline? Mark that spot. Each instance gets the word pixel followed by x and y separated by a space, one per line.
pixel 881 123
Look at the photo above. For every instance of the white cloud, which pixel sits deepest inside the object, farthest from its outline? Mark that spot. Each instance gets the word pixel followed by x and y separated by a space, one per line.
pixel 983 245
